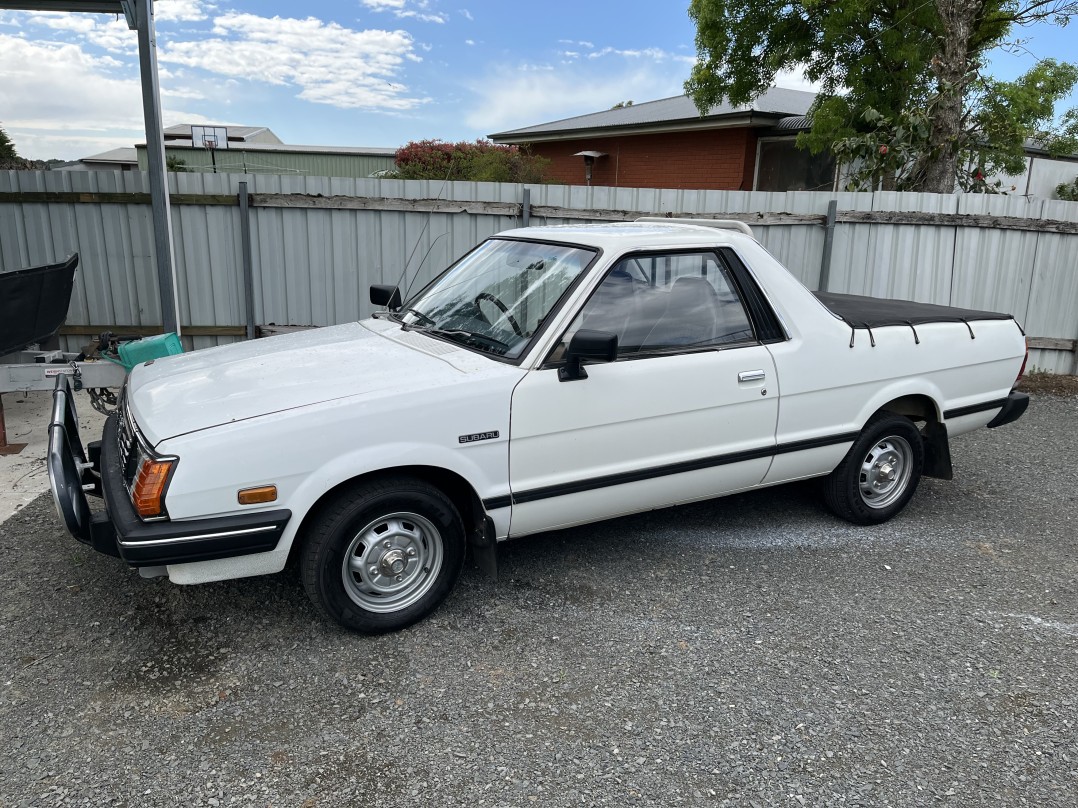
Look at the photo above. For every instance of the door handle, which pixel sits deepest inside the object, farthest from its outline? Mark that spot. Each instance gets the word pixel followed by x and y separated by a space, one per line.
pixel 750 376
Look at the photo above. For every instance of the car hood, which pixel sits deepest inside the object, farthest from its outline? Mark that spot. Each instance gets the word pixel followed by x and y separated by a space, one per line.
pixel 177 395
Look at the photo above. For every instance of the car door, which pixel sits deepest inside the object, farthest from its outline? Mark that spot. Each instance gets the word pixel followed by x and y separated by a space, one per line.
pixel 687 411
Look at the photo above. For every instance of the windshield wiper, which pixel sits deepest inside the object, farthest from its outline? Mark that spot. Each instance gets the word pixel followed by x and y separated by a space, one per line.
pixel 471 337
pixel 417 313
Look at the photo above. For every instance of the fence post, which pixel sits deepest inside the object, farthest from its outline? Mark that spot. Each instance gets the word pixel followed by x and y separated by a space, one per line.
pixel 526 207
pixel 828 244
pixel 248 269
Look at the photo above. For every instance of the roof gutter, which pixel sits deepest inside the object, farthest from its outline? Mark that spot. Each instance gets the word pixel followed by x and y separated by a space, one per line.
pixel 755 119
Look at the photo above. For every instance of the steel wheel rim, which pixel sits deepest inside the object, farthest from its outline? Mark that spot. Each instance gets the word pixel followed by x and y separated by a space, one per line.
pixel 886 471
pixel 392 562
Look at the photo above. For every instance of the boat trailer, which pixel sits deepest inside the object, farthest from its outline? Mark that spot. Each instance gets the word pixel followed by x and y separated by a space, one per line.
pixel 33 306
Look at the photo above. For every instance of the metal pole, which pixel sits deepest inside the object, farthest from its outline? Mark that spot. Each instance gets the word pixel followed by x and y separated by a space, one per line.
pixel 248 269
pixel 155 155
pixel 828 244
pixel 526 207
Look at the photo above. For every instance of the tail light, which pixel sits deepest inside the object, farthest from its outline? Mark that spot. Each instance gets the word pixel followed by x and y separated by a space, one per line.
pixel 1022 371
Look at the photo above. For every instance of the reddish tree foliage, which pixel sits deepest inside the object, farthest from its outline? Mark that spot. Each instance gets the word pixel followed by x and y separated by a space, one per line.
pixel 482 161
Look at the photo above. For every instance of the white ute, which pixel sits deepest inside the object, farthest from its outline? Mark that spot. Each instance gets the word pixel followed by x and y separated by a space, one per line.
pixel 551 377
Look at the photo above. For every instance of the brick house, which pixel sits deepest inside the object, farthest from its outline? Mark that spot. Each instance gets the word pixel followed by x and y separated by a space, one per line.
pixel 669 144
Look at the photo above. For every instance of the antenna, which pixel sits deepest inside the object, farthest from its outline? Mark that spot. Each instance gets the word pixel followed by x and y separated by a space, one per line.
pixel 430 215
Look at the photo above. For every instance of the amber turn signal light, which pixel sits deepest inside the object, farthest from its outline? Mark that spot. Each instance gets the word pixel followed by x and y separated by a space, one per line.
pixel 253 496
pixel 148 492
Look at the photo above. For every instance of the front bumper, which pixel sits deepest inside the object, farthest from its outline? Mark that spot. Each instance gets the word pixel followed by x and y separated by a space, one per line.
pixel 118 531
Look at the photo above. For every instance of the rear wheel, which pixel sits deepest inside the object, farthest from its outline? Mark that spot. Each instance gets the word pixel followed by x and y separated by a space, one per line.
pixel 879 474
pixel 383 555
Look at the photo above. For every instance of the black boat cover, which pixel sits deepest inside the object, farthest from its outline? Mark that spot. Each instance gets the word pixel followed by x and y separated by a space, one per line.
pixel 859 311
pixel 33 303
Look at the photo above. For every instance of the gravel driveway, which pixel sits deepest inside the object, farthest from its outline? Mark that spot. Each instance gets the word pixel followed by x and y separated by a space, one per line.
pixel 746 651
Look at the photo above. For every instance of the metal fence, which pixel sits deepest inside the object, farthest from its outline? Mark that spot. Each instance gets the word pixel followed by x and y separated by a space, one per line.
pixel 317 243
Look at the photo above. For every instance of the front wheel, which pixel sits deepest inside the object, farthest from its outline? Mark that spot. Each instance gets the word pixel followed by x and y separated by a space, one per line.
pixel 879 474
pixel 383 555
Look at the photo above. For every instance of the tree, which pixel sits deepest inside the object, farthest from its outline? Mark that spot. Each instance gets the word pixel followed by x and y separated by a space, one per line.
pixel 175 164
pixel 481 161
pixel 892 59
pixel 7 148
pixel 1068 190
pixel 998 119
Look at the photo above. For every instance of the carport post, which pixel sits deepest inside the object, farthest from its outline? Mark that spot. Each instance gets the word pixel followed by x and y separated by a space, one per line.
pixel 139 15
pixel 155 155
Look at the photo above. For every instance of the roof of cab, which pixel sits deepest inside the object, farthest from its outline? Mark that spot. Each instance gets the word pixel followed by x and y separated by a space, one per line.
pixel 629 235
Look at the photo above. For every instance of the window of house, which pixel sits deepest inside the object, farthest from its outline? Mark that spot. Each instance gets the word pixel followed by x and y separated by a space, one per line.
pixel 781 166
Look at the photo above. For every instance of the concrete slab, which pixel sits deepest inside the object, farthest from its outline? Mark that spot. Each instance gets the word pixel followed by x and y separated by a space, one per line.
pixel 24 476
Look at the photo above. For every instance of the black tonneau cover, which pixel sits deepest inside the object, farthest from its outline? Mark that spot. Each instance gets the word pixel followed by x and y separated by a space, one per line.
pixel 859 311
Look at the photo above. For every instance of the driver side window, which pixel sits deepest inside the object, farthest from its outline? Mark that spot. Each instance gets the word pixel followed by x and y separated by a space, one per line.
pixel 666 303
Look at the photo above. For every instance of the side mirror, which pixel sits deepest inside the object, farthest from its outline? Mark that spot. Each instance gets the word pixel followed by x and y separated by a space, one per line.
pixel 598 346
pixel 385 295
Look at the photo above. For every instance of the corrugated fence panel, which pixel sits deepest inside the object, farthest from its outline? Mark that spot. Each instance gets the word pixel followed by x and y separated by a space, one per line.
pixel 911 262
pixel 993 269
pixel 1053 299
pixel 314 265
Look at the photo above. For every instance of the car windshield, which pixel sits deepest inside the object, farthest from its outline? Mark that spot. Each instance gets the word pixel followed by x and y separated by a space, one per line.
pixel 495 298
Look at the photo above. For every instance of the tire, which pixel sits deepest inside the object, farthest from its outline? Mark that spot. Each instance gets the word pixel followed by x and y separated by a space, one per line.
pixel 383 555
pixel 879 474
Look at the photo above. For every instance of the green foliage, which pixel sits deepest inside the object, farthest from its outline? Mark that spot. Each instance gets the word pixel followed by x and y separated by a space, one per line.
pixel 175 164
pixel 622 104
pixel 875 51
pixel 881 67
pixel 1002 115
pixel 7 148
pixel 895 151
pixel 481 161
pixel 1068 190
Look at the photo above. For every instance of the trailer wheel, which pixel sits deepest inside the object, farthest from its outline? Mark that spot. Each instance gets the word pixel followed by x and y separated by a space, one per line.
pixel 383 555
pixel 879 474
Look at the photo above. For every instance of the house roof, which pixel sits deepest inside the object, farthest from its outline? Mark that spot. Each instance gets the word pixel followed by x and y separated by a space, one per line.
pixel 125 154
pixel 667 114
pixel 240 133
pixel 370 151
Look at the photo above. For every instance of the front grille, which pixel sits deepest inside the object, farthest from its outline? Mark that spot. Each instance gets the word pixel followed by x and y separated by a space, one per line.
pixel 128 442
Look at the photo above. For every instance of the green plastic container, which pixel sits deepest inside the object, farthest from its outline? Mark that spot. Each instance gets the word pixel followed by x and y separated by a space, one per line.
pixel 147 348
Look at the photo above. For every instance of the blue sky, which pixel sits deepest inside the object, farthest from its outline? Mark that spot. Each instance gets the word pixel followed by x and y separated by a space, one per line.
pixel 356 72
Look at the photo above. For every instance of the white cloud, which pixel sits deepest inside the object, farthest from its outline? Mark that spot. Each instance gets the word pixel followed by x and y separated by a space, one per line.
pixel 330 64
pixel 795 80
pixel 114 36
pixel 655 54
pixel 58 96
pixel 407 9
pixel 538 96
pixel 106 32
pixel 465 14
pixel 469 41
pixel 178 11
pixel 63 21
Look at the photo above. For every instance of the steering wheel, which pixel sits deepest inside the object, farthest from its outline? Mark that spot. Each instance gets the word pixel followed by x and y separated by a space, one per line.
pixel 504 309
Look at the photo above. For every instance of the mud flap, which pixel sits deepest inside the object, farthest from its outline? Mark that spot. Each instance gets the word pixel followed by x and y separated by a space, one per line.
pixel 484 546
pixel 937 452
